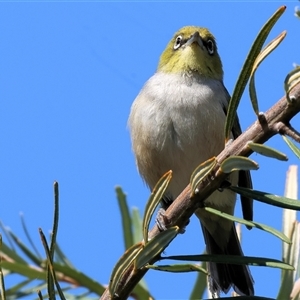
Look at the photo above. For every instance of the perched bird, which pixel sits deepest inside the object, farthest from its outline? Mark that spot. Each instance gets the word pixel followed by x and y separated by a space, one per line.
pixel 177 122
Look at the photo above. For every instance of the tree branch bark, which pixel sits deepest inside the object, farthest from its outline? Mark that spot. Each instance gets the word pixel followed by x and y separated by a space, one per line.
pixel 275 121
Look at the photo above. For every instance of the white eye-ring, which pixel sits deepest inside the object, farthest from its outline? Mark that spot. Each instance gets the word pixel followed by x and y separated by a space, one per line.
pixel 210 46
pixel 177 43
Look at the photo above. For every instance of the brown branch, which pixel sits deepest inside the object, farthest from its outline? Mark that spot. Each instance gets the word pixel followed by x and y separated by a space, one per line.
pixel 275 121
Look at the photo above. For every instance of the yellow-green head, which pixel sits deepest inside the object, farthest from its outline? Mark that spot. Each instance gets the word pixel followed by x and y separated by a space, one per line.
pixel 192 49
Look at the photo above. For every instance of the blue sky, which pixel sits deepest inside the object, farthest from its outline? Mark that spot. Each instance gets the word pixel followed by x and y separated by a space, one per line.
pixel 69 72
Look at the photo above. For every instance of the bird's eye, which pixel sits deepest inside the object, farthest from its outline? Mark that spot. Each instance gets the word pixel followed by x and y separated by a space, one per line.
pixel 210 46
pixel 177 43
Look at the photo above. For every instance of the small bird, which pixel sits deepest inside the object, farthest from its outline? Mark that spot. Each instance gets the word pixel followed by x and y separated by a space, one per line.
pixel 176 123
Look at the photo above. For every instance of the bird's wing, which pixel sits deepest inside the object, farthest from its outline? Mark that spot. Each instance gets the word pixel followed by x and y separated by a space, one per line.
pixel 244 176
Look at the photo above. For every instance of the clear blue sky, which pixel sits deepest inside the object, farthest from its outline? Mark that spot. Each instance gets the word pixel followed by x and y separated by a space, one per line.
pixel 68 74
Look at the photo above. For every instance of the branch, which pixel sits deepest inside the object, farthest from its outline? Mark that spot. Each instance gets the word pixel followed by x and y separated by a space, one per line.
pixel 275 121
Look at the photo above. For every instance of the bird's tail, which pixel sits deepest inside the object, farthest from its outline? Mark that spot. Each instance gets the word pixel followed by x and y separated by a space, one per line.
pixel 225 276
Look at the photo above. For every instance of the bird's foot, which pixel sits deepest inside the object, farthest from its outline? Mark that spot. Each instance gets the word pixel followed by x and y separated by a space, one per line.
pixel 163 222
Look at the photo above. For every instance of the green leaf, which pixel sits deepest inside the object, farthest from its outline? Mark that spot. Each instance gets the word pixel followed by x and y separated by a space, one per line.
pixel 51 275
pixel 140 292
pixel 201 171
pixel 200 284
pixel 292 257
pixel 237 163
pixel 126 219
pixel 50 250
pixel 257 225
pixel 289 216
pixel 40 295
pixel 182 268
pixel 12 254
pixel 55 221
pixel 6 231
pixel 141 289
pixel 35 259
pixel 262 55
pixel 246 298
pixel 2 285
pixel 155 246
pixel 247 68
pixel 29 237
pixel 295 249
pixel 234 259
pixel 18 288
pixel 290 81
pixel 79 278
pixel 137 224
pixel 292 146
pixel 267 151
pixel 61 257
pixel 25 270
pixel 154 201
pixel 297 12
pixel 267 198
pixel 122 265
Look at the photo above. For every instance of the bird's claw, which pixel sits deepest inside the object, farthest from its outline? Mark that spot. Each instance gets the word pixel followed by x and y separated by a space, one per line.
pixel 163 222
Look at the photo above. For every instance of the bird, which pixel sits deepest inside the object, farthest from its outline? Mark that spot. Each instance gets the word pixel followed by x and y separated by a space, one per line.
pixel 176 122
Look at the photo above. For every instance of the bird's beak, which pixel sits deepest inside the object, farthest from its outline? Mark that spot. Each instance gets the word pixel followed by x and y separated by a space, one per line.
pixel 195 38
